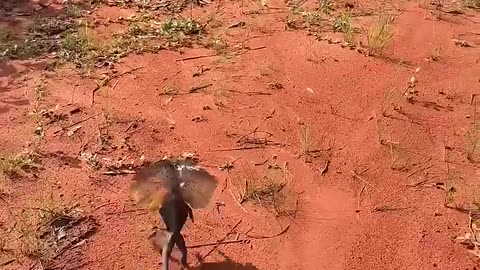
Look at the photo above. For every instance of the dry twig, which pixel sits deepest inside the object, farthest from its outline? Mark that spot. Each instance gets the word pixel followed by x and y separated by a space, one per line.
pixel 244 241
pixel 220 240
pixel 270 236
pixel 361 179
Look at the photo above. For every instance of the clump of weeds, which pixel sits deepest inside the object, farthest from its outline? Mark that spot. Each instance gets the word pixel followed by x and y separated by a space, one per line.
pixel 19 165
pixel 50 228
pixel 473 4
pixel 344 24
pixel 307 140
pixel 326 6
pixel 272 191
pixel 379 34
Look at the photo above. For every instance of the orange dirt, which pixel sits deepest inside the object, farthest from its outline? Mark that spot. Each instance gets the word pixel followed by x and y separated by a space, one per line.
pixel 390 157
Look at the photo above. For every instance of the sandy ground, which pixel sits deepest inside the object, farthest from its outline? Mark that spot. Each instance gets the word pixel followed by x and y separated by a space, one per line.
pixel 374 151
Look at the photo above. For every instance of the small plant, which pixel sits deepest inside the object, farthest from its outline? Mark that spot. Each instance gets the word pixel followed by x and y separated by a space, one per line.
pixel 8 46
pixel 143 37
pixel 73 11
pixel 471 239
pixel 13 48
pixel 450 194
pixel 91 160
pixel 60 35
pixel 127 43
pixel 49 228
pixel 219 45
pixel 326 6
pixel 306 140
pixel 313 19
pixel 40 92
pixel 343 23
pixel 271 191
pixel 18 164
pixel 179 32
pixel 267 191
pixel 438 8
pixel 473 4
pixel 293 21
pixel 220 97
pixel 143 3
pixel 77 49
pixel 473 142
pixel 170 90
pixel 380 34
pixel 172 27
pixel 435 54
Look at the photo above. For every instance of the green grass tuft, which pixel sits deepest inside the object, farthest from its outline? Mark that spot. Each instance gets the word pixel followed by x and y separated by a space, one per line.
pixel 344 24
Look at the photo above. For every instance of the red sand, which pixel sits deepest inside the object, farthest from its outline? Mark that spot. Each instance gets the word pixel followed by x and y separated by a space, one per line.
pixel 343 222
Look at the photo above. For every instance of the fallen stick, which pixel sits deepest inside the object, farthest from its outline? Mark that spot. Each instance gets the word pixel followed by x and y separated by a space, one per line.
pixel 133 123
pixel 195 89
pixel 271 236
pixel 239 203
pixel 173 75
pixel 76 123
pixel 250 133
pixel 251 49
pixel 222 239
pixel 359 200
pixel 196 57
pixel 237 148
pixel 261 163
pixel 7 262
pixel 245 241
pixel 461 208
pixel 363 180
pixel 419 170
pixel 118 172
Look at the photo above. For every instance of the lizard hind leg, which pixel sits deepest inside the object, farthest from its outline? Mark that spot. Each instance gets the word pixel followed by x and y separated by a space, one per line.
pixel 167 250
pixel 159 240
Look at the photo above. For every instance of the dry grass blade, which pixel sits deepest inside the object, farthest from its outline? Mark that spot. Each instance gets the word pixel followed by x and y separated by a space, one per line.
pixel 18 164
pixel 471 239
pixel 272 191
pixel 307 140
pixel 380 34
pixel 473 135
pixel 344 24
pixel 265 192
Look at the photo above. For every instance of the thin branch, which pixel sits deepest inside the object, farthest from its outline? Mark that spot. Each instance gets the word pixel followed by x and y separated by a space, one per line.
pixel 235 199
pixel 238 148
pixel 222 239
pixel 195 89
pixel 244 136
pixel 76 123
pixel 361 178
pixel 271 236
pixel 261 163
pixel 196 57
pixel 119 172
pixel 244 241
